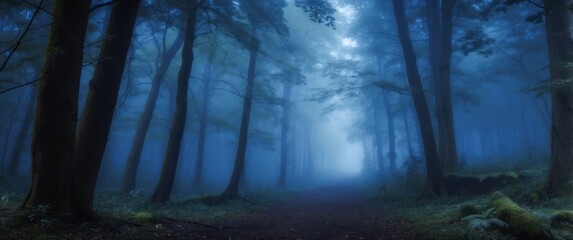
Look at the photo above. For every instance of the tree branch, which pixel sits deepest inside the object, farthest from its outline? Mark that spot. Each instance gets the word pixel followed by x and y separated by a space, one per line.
pixel 19 42
pixel 535 4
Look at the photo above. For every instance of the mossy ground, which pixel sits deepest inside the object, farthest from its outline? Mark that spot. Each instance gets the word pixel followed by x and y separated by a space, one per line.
pixel 440 218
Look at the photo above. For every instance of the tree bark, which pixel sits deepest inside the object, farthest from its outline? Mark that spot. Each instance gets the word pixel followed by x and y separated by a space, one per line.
pixel 287 86
pixel 165 184
pixel 435 182
pixel 100 104
pixel 198 176
pixel 134 156
pixel 560 46
pixel 440 45
pixel 57 109
pixel 12 168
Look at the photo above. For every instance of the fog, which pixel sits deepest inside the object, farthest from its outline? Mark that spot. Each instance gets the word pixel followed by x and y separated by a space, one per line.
pixel 235 97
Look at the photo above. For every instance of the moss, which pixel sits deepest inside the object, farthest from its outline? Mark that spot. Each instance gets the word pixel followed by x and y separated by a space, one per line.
pixel 562 218
pixel 520 221
pixel 143 216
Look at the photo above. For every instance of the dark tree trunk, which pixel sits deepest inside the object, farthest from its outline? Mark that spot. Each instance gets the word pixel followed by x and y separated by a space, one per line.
pixel 232 190
pixel 12 168
pixel 198 176
pixel 57 109
pixel 435 182
pixel 284 133
pixel 98 112
pixel 134 156
pixel 165 184
pixel 440 45
pixel 560 45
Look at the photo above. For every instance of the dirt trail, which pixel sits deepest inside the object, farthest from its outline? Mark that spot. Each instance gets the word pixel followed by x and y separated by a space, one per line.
pixel 335 212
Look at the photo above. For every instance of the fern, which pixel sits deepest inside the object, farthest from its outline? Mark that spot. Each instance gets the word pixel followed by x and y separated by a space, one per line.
pixel 482 222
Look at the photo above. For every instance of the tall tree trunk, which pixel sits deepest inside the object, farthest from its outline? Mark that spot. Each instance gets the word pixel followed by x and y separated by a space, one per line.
pixel 378 134
pixel 391 130
pixel 9 133
pixel 198 176
pixel 12 168
pixel 287 86
pixel 560 45
pixel 165 184
pixel 440 45
pixel 232 190
pixel 308 151
pixel 435 182
pixel 98 112
pixel 57 109
pixel 134 156
pixel 389 118
pixel 408 137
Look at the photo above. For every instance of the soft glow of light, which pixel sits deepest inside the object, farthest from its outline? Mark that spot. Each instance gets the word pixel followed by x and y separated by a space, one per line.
pixel 349 42
pixel 345 157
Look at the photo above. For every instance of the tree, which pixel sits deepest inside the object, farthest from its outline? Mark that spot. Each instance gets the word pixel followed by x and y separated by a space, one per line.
pixel 435 182
pixel 12 168
pixel 56 113
pixel 285 121
pixel 164 186
pixel 204 113
pixel 259 14
pixel 130 171
pixel 95 122
pixel 560 47
pixel 439 24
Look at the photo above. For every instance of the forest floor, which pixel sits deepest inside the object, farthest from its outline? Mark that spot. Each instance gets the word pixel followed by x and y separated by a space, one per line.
pixel 328 212
pixel 347 209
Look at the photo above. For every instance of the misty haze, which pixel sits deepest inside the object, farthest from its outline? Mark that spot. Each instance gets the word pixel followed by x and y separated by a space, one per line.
pixel 286 119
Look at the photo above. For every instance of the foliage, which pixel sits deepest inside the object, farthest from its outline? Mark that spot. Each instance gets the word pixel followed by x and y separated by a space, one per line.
pixel 319 11
pixel 475 40
pixel 483 221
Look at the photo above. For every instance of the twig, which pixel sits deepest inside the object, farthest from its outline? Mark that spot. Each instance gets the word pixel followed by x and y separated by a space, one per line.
pixel 536 4
pixel 103 5
pixel 21 85
pixel 19 42
pixel 40 7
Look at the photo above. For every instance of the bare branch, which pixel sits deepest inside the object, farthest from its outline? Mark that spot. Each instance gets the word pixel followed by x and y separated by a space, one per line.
pixel 19 42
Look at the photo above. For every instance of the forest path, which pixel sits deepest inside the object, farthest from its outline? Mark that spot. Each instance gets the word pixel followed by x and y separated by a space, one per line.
pixel 329 212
